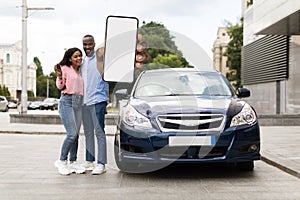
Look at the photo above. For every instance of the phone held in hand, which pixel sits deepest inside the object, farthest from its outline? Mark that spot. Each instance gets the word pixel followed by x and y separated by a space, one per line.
pixel 57 66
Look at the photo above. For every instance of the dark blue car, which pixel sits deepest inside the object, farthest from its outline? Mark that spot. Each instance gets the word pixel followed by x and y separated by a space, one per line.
pixel 187 116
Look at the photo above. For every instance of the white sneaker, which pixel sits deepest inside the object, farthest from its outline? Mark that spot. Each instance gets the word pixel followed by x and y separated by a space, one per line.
pixel 88 165
pixel 74 167
pixel 62 167
pixel 99 169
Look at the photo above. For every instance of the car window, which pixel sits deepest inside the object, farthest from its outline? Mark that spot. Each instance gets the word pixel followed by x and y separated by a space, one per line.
pixel 182 83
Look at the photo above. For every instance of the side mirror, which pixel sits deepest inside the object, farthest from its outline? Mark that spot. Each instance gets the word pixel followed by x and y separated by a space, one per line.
pixel 243 93
pixel 119 95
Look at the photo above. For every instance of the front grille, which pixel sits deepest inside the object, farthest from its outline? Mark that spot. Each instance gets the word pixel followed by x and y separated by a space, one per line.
pixel 190 122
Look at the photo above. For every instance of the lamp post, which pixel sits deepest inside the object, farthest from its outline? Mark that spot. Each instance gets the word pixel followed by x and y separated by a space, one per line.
pixel 25 9
pixel 48 76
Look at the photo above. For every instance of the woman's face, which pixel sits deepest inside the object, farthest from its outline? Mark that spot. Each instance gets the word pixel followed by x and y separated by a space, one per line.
pixel 76 59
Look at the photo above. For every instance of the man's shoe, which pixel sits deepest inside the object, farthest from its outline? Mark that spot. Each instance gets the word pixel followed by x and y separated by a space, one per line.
pixel 99 169
pixel 62 167
pixel 76 168
pixel 88 165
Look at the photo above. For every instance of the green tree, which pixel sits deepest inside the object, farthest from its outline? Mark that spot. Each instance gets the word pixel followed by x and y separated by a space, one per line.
pixel 233 53
pixel 53 90
pixel 41 86
pixel 165 61
pixel 162 48
pixel 41 82
pixel 39 70
pixel 4 91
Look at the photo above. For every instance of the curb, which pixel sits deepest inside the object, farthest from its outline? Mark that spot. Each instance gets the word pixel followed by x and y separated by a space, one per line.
pixel 280 166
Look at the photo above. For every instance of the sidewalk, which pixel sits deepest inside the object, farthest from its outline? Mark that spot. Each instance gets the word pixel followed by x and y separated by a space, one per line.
pixel 280 145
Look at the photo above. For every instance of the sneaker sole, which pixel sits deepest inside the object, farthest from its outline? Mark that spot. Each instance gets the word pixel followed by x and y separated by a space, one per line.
pixel 64 174
pixel 89 168
pixel 99 173
pixel 78 171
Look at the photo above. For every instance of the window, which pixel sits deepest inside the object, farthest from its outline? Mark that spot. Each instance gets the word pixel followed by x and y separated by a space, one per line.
pixel 7 58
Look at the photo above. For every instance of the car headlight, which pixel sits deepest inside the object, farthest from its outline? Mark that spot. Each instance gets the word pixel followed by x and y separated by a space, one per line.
pixel 133 118
pixel 246 116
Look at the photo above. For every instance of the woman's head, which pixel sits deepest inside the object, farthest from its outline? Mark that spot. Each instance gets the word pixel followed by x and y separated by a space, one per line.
pixel 73 56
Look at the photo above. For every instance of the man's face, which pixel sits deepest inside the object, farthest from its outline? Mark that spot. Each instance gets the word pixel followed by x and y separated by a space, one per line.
pixel 88 46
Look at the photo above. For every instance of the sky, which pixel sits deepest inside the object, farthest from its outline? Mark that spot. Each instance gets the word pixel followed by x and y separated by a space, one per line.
pixel 50 32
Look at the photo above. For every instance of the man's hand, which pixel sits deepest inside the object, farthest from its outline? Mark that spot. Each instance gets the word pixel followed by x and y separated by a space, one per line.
pixel 141 55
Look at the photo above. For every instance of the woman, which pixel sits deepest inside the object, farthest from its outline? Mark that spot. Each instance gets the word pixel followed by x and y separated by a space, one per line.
pixel 70 82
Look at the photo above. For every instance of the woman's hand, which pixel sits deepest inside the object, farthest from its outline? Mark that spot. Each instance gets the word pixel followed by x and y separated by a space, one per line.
pixel 57 70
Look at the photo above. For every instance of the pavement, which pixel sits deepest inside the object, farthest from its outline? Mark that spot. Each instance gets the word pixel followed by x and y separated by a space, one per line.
pixel 280 145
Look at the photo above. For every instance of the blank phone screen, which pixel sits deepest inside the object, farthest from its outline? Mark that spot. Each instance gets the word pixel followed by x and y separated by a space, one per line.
pixel 120 48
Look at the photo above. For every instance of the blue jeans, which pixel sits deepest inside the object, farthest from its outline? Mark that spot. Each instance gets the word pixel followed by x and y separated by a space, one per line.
pixel 70 111
pixel 93 122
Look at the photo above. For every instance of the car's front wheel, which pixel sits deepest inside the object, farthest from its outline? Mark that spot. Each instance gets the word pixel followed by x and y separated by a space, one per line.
pixel 245 166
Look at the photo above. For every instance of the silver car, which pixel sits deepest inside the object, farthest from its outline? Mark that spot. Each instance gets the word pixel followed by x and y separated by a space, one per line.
pixel 3 104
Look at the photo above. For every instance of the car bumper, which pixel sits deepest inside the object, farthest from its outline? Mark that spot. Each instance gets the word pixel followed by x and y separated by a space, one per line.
pixel 233 145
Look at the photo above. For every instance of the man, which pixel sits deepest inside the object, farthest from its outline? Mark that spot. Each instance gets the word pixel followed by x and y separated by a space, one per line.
pixel 94 108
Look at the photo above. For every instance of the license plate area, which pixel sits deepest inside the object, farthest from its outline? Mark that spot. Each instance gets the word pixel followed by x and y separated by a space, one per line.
pixel 191 141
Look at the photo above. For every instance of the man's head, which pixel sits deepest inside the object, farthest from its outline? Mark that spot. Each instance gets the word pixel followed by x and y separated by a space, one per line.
pixel 88 43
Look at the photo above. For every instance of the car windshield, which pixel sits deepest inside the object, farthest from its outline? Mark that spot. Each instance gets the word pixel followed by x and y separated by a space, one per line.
pixel 182 83
pixel 48 100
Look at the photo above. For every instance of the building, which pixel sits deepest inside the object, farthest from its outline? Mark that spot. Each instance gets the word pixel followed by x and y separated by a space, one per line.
pixel 11 70
pixel 270 58
pixel 219 48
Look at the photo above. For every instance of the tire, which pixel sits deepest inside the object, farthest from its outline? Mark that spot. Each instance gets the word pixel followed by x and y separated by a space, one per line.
pixel 245 166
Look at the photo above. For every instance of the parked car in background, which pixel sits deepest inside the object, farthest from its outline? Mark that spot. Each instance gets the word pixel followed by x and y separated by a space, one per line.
pixel 34 105
pixel 49 103
pixel 185 116
pixel 12 105
pixel 3 104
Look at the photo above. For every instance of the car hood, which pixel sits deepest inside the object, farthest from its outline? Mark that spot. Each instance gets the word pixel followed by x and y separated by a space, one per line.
pixel 153 106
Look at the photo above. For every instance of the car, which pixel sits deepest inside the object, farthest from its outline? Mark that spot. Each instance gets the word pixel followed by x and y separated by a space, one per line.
pixel 49 103
pixel 12 105
pixel 34 105
pixel 185 116
pixel 3 104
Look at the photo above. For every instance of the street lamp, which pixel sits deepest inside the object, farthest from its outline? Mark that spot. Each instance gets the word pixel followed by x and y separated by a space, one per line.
pixel 25 9
pixel 48 76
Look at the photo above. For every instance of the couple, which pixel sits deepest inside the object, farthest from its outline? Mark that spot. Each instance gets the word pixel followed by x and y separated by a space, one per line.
pixel 84 97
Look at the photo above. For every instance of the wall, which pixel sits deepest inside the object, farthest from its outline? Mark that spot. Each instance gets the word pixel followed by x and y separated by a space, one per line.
pixel 263 97
pixel 293 83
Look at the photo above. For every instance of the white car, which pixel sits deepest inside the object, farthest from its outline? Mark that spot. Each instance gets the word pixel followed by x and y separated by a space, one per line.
pixel 3 104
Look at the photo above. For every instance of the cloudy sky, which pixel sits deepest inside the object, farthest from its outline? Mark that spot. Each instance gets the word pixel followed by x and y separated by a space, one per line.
pixel 50 32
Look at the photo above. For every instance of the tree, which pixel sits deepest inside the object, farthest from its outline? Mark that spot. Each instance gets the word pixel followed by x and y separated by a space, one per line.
pixel 165 61
pixel 53 90
pixel 233 53
pixel 162 48
pixel 4 91
pixel 41 82
pixel 39 70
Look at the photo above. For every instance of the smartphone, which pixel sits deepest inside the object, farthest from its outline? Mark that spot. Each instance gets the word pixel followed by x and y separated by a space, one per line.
pixel 120 48
pixel 57 66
